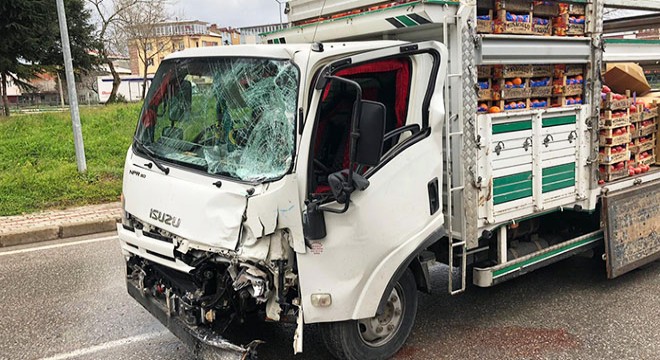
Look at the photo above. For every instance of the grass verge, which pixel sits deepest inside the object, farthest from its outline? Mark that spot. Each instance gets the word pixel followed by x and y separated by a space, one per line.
pixel 38 163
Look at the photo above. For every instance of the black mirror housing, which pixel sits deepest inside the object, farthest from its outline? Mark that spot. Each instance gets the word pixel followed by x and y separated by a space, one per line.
pixel 371 127
pixel 313 222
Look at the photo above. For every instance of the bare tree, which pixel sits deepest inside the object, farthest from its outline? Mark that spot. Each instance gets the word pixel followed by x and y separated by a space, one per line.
pixel 140 24
pixel 109 38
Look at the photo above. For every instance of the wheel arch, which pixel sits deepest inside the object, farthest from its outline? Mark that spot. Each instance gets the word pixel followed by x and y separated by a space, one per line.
pixel 412 261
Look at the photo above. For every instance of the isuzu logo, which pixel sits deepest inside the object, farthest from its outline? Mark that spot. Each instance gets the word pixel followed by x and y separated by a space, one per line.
pixel 166 219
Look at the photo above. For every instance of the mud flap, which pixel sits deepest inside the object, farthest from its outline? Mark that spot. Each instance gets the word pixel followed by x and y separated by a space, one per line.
pixel 631 219
pixel 203 343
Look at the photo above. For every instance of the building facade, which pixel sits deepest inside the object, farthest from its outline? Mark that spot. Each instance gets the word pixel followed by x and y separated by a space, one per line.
pixel 171 37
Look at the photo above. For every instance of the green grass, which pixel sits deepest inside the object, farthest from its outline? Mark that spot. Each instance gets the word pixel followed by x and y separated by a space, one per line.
pixel 38 163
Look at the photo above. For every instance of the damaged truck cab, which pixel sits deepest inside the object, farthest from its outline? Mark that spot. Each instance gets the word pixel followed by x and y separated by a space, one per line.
pixel 256 182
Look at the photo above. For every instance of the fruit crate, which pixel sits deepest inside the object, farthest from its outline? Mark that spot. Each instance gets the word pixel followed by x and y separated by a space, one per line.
pixel 513 105
pixel 540 103
pixel 577 9
pixel 563 101
pixel 652 113
pixel 485 90
pixel 484 106
pixel 645 157
pixel 514 5
pixel 613 154
pixel 610 102
pixel 485 21
pixel 644 143
pixel 636 113
pixel 510 23
pixel 541 87
pixel 542 26
pixel 648 129
pixel 614 137
pixel 510 90
pixel 614 119
pixel 562 70
pixel 542 71
pixel 613 172
pixel 512 71
pixel 484 71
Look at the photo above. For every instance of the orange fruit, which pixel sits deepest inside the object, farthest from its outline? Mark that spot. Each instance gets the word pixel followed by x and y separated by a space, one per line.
pixel 517 81
pixel 508 84
pixel 494 109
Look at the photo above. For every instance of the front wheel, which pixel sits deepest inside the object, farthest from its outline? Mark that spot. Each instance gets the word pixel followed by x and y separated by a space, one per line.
pixel 381 336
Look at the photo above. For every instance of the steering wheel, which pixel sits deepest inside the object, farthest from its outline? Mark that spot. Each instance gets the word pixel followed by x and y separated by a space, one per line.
pixel 206 136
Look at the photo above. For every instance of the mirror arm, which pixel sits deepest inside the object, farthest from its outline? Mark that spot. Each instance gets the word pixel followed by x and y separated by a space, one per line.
pixel 355 134
pixel 336 211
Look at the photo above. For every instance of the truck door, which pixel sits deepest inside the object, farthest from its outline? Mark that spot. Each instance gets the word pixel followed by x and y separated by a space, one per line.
pixel 401 208
pixel 631 219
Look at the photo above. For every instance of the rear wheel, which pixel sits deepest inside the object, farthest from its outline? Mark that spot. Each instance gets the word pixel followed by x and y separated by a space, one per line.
pixel 381 336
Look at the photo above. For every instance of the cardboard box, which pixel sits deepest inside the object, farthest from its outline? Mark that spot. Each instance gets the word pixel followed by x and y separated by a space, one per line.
pixel 626 76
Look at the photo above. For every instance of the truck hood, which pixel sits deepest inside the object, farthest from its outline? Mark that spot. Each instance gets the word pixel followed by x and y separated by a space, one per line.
pixel 185 204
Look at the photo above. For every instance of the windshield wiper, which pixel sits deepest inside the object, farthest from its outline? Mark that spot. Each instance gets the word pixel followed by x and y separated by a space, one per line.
pixel 150 155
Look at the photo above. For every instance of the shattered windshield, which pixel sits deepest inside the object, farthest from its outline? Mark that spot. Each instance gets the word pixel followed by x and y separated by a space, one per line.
pixel 227 116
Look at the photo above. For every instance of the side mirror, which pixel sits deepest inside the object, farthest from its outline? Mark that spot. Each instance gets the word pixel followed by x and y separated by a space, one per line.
pixel 371 127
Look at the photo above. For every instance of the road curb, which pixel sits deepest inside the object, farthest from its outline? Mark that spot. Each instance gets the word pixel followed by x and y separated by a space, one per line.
pixel 55 232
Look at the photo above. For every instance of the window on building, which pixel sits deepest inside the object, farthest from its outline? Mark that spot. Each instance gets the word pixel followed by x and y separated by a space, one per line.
pixel 182 45
pixel 148 46
pixel 150 62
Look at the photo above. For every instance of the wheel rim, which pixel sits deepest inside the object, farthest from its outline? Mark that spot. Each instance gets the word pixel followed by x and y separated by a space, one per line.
pixel 380 329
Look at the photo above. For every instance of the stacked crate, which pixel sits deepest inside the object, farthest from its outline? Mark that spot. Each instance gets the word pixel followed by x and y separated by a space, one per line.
pixel 526 17
pixel 568 85
pixel 512 88
pixel 643 131
pixel 524 87
pixel 614 138
pixel 485 88
pixel 485 16
pixel 513 17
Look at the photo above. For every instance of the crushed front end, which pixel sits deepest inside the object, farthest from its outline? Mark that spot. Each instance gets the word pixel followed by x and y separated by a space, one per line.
pixel 199 294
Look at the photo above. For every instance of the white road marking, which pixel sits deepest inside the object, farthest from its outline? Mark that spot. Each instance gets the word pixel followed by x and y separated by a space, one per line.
pixel 106 346
pixel 55 246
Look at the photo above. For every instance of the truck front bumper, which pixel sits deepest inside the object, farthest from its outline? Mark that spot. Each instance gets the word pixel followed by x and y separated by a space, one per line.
pixel 203 343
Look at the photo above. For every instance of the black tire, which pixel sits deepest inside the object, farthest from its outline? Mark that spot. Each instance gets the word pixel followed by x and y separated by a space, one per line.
pixel 346 339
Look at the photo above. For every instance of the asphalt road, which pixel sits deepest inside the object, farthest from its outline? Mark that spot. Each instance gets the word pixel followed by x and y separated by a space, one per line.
pixel 69 302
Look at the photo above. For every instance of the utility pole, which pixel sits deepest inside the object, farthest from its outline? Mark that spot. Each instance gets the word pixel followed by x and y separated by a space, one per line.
pixel 71 86
pixel 279 2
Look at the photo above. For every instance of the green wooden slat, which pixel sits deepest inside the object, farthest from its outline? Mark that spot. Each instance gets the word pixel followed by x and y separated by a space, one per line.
pixel 406 21
pixel 632 41
pixel 559 177
pixel 504 189
pixel 512 187
pixel 511 179
pixel 512 126
pixel 512 196
pixel 558 185
pixel 556 121
pixel 559 169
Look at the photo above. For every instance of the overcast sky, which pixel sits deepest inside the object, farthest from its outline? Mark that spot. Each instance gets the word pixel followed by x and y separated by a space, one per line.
pixel 234 13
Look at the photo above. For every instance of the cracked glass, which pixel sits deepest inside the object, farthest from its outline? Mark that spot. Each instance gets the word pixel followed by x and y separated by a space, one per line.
pixel 233 117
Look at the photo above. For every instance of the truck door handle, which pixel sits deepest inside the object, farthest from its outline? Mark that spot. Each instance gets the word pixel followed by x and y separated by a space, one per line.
pixel 527 144
pixel 572 136
pixel 499 147
pixel 547 140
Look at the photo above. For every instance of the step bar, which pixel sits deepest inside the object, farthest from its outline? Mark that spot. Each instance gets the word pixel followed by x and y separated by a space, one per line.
pixel 486 277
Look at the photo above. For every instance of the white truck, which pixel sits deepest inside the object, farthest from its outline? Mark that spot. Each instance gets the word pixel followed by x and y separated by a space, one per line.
pixel 316 179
